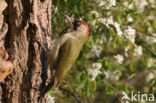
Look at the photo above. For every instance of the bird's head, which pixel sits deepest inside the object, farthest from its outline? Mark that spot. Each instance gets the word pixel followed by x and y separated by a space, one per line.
pixel 76 24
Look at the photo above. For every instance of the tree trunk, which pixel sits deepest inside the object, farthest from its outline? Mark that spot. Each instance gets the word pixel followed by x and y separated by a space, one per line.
pixel 29 26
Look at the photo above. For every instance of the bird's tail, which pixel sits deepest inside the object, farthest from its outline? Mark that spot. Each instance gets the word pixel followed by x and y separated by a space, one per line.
pixel 50 86
pixel 47 88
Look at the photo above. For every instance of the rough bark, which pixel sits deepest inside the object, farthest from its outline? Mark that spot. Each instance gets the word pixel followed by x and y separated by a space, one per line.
pixel 6 67
pixel 29 26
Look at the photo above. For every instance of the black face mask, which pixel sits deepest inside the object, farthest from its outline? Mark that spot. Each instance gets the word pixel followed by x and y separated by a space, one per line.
pixel 76 24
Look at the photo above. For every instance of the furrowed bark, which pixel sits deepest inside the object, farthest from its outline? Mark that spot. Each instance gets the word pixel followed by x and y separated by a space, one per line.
pixel 29 26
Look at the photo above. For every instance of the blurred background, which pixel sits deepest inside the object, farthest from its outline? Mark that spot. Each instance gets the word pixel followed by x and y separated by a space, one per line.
pixel 120 54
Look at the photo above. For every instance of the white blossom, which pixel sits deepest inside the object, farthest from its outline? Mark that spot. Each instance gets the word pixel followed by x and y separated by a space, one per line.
pixel 126 50
pixel 130 34
pixel 125 3
pixel 94 22
pixel 150 39
pixel 108 74
pixel 111 38
pixel 102 20
pixel 129 6
pixel 153 34
pixel 151 17
pixel 100 40
pixel 137 51
pixel 118 29
pixel 140 4
pixel 104 38
pixel 50 99
pixel 109 21
pixel 96 49
pixel 119 58
pixel 96 65
pixel 150 29
pixel 130 19
pixel 151 62
pixel 107 3
pixel 150 76
pixel 115 75
pixel 55 10
pixel 94 71
pixel 106 21
pixel 101 2
pixel 152 2
pixel 96 13
pixel 111 3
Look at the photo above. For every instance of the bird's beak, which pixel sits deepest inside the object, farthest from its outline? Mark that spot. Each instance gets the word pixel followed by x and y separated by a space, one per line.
pixel 69 21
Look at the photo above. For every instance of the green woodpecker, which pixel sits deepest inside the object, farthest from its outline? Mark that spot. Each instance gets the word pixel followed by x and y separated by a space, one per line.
pixel 66 50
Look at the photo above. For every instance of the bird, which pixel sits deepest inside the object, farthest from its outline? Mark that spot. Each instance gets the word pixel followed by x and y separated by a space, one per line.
pixel 66 50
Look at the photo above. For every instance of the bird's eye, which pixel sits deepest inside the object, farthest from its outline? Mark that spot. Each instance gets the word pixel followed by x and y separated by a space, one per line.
pixel 78 23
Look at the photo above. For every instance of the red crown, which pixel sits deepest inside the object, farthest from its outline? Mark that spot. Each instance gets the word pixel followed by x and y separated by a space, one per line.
pixel 85 25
